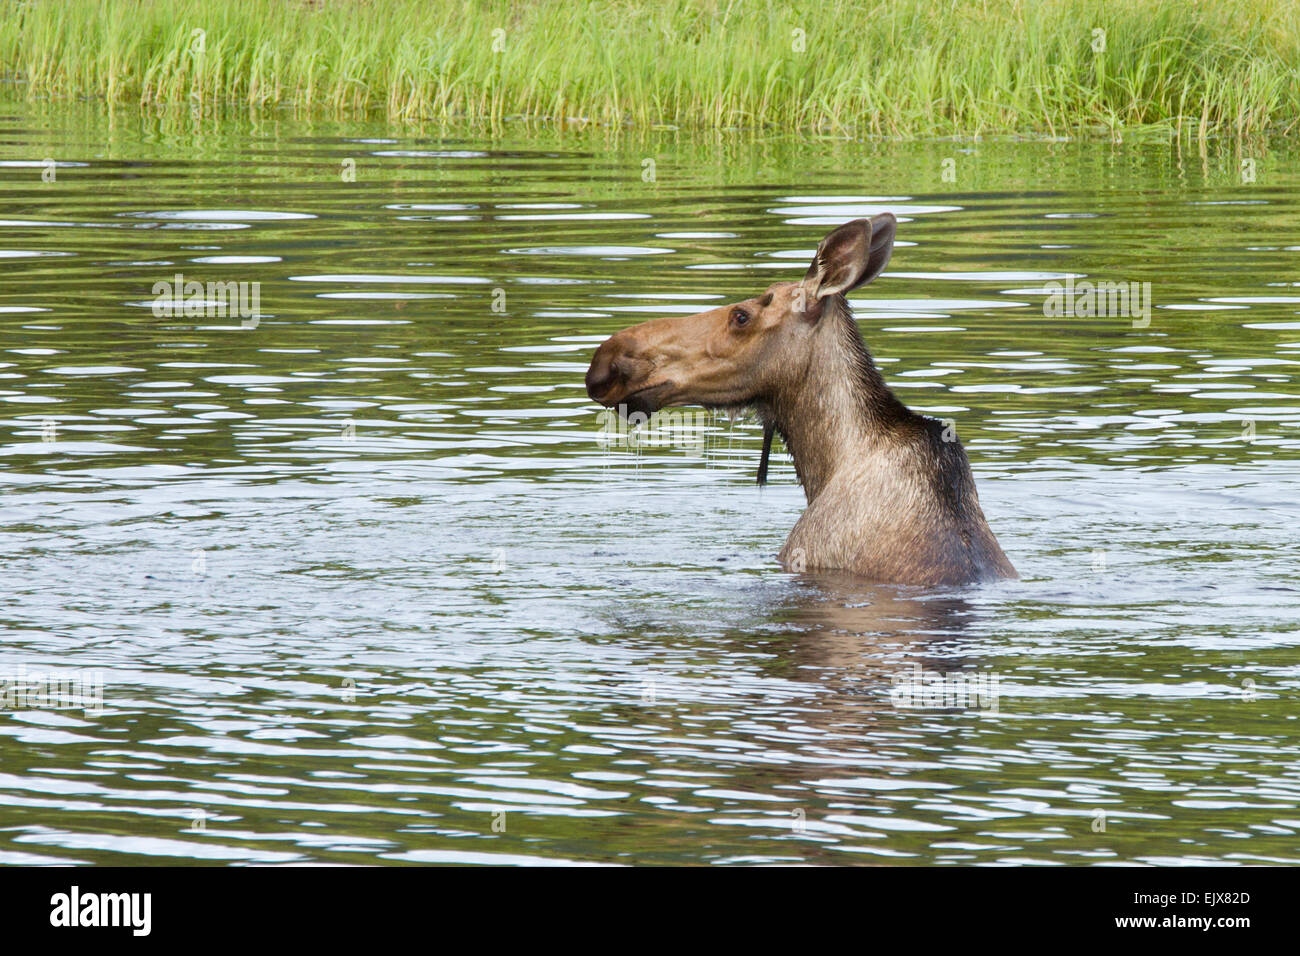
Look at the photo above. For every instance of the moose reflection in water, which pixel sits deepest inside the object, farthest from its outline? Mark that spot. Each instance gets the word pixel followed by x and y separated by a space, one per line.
pixel 873 642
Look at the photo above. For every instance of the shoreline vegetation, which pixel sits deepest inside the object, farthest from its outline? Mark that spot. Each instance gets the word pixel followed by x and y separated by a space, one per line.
pixel 898 68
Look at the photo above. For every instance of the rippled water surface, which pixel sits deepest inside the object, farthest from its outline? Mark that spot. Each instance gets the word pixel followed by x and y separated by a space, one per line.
pixel 364 584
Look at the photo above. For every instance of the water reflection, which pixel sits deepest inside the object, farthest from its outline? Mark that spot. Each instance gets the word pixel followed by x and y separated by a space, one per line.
pixel 363 576
pixel 853 629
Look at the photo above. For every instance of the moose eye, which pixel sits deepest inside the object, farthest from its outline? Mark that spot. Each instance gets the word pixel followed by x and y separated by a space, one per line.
pixel 739 316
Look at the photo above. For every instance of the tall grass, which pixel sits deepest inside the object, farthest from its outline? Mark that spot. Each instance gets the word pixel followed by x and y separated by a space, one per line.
pixel 893 67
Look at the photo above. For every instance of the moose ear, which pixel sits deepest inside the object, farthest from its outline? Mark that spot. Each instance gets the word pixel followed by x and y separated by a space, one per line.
pixel 854 253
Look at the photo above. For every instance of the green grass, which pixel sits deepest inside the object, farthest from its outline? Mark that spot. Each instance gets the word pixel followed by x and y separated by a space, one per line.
pixel 893 67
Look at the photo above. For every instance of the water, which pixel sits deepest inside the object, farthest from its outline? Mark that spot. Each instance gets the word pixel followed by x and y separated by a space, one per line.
pixel 363 584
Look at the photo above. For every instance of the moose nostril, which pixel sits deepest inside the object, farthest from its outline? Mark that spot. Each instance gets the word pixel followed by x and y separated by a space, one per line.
pixel 601 375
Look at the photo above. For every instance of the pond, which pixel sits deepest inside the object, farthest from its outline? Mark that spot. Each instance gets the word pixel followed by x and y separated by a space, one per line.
pixel 356 573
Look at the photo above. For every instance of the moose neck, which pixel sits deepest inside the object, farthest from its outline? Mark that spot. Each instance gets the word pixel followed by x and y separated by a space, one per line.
pixel 841 406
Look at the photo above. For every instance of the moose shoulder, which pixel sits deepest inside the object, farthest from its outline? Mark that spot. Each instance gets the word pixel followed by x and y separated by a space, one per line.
pixel 890 493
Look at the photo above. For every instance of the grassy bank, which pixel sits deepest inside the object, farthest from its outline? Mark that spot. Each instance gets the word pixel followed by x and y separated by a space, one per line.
pixel 893 67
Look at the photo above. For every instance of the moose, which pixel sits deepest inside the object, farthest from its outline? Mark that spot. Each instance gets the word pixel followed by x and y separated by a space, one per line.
pixel 890 496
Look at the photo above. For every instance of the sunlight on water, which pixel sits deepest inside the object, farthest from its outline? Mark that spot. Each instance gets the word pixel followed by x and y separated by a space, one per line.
pixel 360 575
